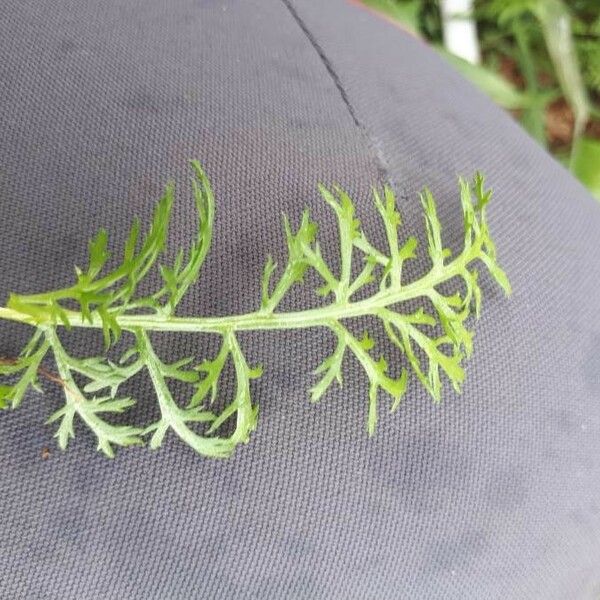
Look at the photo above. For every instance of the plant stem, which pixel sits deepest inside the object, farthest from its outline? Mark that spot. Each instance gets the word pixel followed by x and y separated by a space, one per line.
pixel 260 320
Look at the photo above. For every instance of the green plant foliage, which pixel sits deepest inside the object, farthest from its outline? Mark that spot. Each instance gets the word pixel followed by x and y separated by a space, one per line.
pixel 589 56
pixel 433 340
pixel 501 91
pixel 586 164
pixel 552 48
pixel 407 12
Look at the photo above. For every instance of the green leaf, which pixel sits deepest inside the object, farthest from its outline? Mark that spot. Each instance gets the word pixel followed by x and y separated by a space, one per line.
pixel 585 164
pixel 406 12
pixel 5 396
pixel 332 369
pixel 426 321
pixel 555 21
pixel 269 269
pixel 212 370
pixel 104 295
pixel 500 90
pixel 88 410
pixel 26 367
pixel 434 230
pixel 178 371
pixel 98 254
pixel 103 374
pixel 182 276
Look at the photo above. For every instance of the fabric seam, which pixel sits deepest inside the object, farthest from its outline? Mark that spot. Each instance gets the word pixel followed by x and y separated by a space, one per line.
pixel 380 162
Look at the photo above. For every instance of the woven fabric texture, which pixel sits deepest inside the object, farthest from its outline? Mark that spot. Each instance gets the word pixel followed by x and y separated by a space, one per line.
pixel 492 494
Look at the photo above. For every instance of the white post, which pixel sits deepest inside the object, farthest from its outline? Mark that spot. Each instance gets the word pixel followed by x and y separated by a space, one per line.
pixel 460 33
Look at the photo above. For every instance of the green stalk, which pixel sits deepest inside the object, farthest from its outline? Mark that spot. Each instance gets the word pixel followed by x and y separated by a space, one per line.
pixel 258 320
pixel 533 116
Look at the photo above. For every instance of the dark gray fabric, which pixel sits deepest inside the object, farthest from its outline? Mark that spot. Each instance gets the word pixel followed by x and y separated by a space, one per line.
pixel 493 494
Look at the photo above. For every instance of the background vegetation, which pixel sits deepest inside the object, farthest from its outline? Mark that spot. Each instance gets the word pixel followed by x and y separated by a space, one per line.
pixel 540 60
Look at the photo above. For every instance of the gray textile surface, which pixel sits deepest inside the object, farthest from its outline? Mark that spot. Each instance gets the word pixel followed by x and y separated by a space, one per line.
pixel 494 494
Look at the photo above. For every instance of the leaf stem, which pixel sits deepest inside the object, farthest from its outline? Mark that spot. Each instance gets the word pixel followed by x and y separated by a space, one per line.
pixel 259 320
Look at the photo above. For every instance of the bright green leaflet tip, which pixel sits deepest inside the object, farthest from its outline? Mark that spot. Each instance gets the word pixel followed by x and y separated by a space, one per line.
pixel 431 342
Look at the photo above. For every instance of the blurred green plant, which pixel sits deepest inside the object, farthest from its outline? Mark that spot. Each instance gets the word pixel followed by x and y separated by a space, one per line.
pixel 585 162
pixel 541 60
